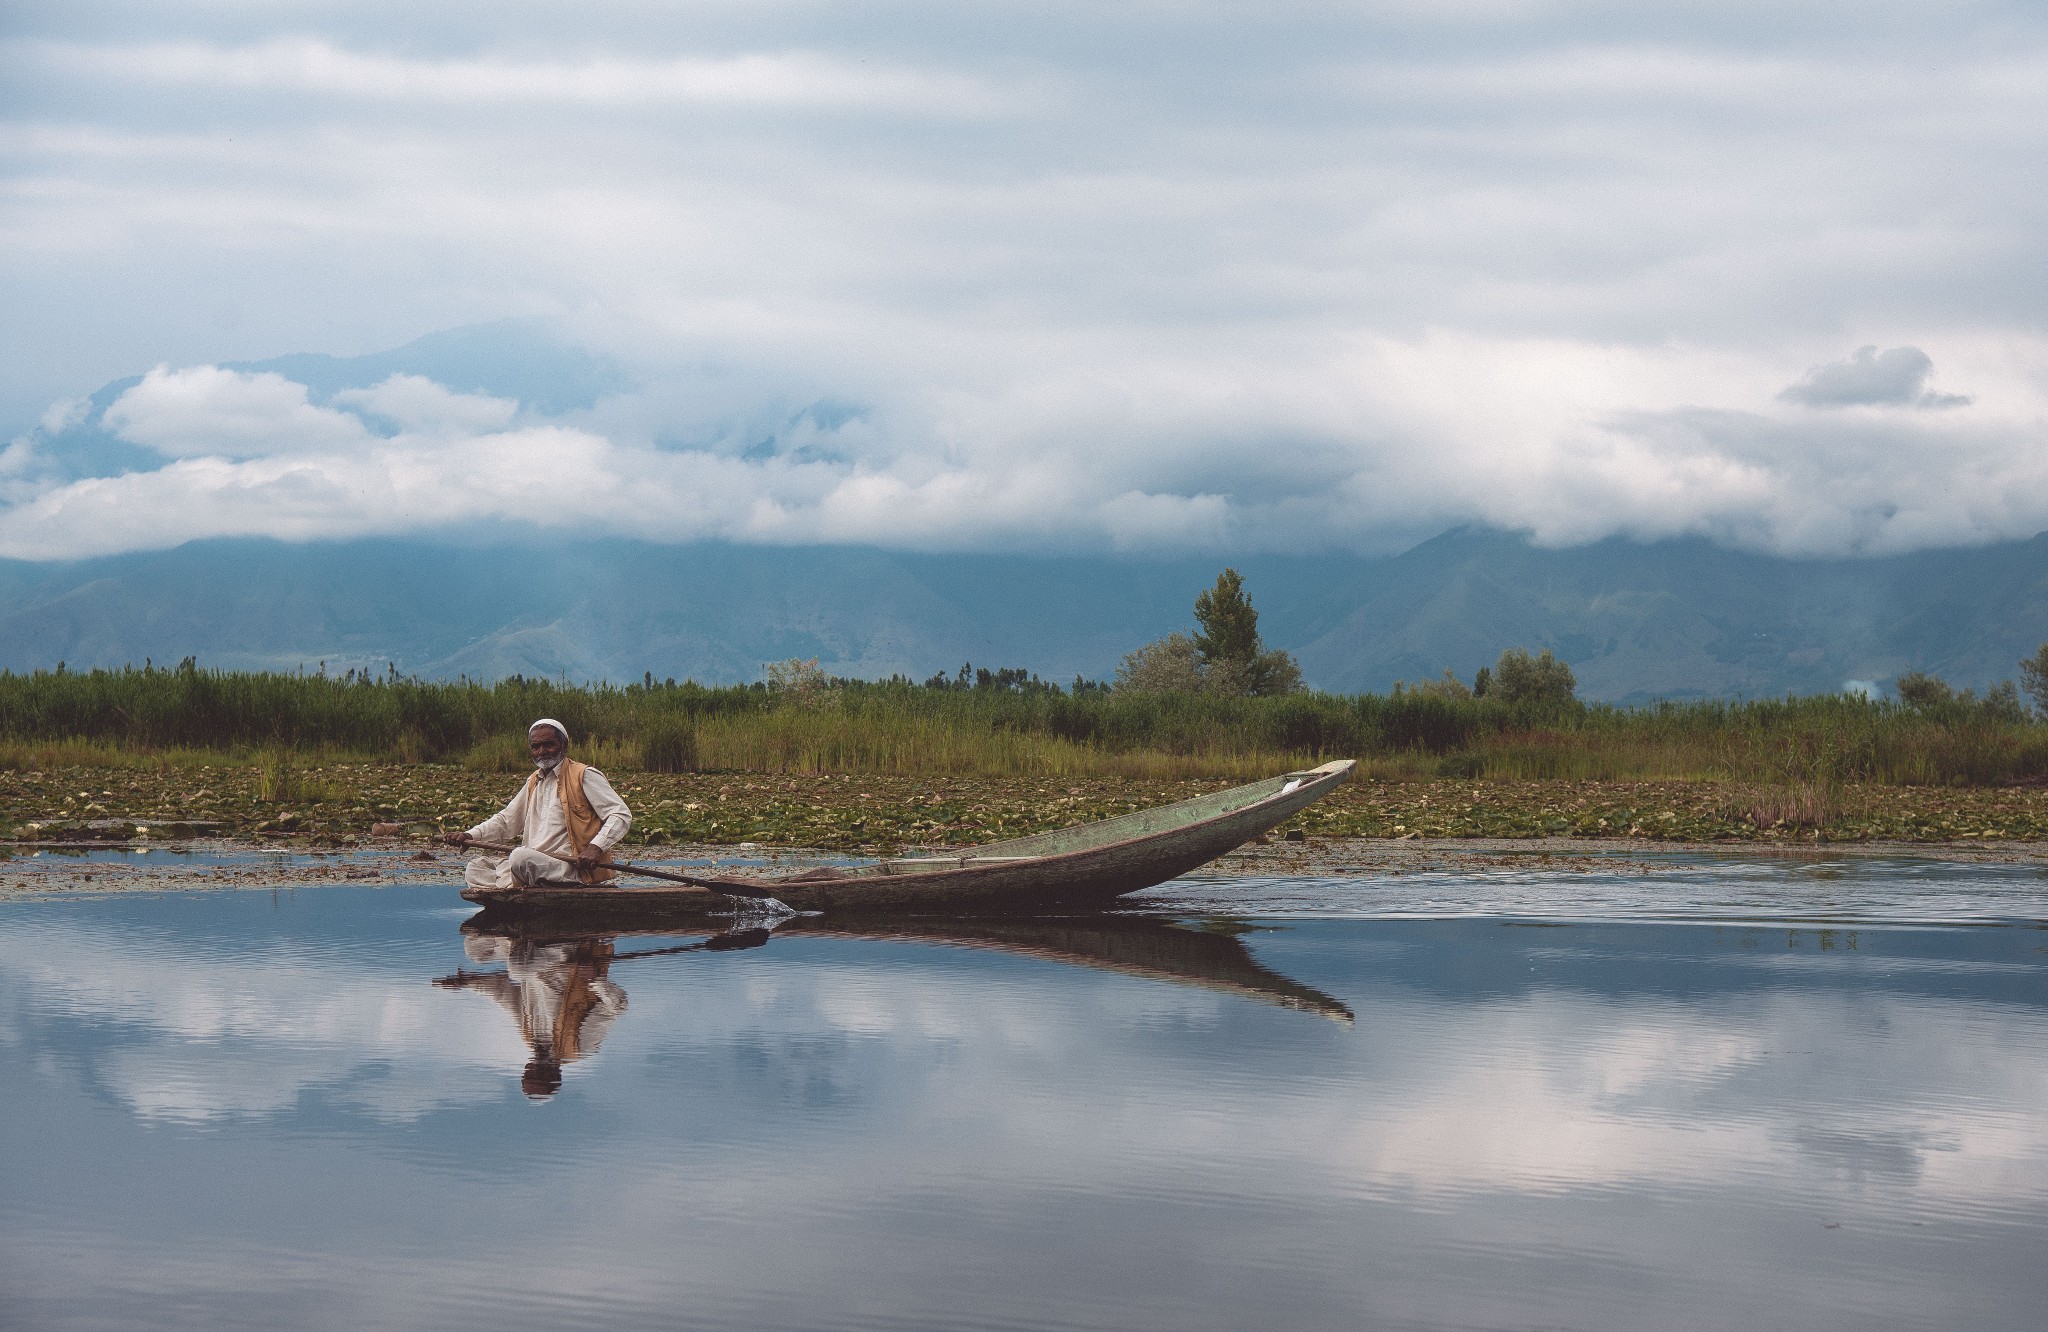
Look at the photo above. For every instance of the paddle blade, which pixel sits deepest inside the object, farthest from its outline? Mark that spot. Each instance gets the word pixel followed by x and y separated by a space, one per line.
pixel 731 939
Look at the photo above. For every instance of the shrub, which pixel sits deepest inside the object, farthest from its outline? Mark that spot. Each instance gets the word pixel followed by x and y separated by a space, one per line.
pixel 2034 677
pixel 1519 678
pixel 669 745
pixel 277 778
pixel 1918 689
pixel 798 680
pixel 2002 704
pixel 1450 687
pixel 1275 673
pixel 1465 764
pixel 1172 665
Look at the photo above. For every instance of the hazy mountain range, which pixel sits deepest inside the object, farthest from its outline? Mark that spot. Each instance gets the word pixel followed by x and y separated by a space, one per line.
pixel 1671 619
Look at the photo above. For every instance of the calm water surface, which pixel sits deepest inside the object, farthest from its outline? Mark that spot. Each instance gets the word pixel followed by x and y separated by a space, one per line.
pixel 1731 1095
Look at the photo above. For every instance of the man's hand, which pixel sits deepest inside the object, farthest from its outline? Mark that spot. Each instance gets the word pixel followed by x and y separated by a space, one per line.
pixel 456 839
pixel 586 860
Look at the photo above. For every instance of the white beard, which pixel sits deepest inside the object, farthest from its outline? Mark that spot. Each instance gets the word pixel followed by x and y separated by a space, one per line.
pixel 547 766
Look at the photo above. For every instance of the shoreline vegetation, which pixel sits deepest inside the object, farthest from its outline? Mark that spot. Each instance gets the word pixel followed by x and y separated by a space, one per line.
pixel 805 760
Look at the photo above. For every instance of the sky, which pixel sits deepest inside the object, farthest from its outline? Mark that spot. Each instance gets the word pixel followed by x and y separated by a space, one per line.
pixel 1284 276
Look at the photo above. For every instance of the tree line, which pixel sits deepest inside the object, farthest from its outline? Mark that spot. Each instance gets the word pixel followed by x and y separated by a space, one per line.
pixel 1214 696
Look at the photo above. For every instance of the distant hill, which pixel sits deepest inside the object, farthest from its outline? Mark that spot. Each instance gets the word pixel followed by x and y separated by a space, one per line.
pixel 607 609
pixel 1686 619
pixel 1671 619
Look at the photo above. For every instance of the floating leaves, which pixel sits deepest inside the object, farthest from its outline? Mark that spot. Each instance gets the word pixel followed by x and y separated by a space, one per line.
pixel 873 812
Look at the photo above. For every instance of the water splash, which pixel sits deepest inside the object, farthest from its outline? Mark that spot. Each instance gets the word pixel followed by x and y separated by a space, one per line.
pixel 772 910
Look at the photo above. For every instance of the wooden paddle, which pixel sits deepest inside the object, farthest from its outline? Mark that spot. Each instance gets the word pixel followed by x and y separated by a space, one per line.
pixel 717 943
pixel 730 887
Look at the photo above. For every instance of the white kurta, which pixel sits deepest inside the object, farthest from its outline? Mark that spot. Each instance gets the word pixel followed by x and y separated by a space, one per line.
pixel 534 987
pixel 534 816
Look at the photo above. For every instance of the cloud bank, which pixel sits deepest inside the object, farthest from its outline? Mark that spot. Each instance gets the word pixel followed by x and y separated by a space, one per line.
pixel 1206 277
pixel 1320 456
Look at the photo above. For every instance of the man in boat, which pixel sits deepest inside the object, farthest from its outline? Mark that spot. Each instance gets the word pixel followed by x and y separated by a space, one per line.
pixel 566 820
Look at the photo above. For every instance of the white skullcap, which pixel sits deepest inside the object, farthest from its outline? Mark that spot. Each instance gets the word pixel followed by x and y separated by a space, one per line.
pixel 560 729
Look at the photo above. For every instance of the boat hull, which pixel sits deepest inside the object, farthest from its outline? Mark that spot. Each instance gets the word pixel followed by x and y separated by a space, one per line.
pixel 986 879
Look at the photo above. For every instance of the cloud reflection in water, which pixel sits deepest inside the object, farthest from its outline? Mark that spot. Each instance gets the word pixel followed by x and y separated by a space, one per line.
pixel 1625 1125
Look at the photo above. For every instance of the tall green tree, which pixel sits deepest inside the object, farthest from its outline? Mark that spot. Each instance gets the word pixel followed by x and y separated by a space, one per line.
pixel 1230 627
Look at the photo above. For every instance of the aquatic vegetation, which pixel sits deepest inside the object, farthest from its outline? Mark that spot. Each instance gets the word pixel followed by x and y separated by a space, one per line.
pixel 871 812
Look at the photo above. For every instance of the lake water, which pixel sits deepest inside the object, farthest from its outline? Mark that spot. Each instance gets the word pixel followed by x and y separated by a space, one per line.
pixel 1721 1094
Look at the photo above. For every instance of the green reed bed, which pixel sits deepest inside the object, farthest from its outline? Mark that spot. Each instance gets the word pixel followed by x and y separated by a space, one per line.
pixel 184 715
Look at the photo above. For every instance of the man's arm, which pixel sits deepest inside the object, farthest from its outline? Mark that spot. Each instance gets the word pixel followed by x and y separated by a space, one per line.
pixel 605 803
pixel 504 826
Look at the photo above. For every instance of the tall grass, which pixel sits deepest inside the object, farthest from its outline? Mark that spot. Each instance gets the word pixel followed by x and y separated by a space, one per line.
pixel 57 718
pixel 878 740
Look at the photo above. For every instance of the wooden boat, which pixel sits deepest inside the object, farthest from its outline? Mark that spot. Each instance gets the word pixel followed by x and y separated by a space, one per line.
pixel 1085 866
pixel 1129 944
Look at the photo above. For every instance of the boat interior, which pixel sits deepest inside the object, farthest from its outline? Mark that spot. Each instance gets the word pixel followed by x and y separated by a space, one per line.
pixel 1307 783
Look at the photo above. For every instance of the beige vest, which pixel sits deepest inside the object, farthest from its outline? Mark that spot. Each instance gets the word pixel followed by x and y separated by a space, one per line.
pixel 581 820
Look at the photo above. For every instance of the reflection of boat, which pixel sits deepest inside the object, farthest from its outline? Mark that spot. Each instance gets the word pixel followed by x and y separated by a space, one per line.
pixel 1133 945
pixel 1086 865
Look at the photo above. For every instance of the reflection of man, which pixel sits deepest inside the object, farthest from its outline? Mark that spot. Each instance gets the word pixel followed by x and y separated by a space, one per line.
pixel 566 820
pixel 558 993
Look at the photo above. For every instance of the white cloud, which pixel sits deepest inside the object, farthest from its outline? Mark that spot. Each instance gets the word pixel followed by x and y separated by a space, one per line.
pixel 1393 436
pixel 62 415
pixel 1143 277
pixel 206 411
pixel 415 402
